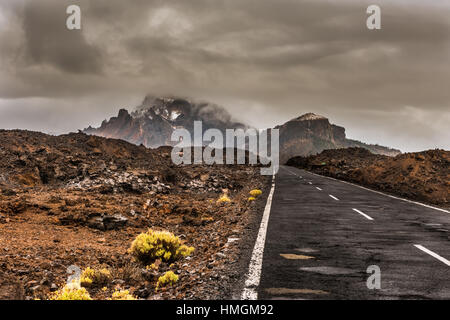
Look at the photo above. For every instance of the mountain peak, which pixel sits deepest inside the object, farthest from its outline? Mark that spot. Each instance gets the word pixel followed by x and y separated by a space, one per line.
pixel 168 108
pixel 123 113
pixel 312 133
pixel 153 122
pixel 310 116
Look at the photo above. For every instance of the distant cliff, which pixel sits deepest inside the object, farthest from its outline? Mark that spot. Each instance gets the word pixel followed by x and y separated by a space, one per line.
pixel 311 134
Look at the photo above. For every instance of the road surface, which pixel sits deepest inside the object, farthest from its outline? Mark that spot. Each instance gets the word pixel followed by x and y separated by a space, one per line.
pixel 323 234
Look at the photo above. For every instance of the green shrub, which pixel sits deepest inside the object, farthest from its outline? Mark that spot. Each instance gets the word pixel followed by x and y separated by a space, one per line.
pixel 153 245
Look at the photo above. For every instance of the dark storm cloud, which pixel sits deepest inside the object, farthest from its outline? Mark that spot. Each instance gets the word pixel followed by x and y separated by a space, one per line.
pixel 266 60
pixel 48 42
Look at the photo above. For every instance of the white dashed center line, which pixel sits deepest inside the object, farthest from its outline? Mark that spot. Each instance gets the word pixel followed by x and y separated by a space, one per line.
pixel 363 214
pixel 431 253
pixel 255 270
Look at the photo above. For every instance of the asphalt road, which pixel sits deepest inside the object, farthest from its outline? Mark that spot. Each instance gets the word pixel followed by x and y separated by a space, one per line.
pixel 323 234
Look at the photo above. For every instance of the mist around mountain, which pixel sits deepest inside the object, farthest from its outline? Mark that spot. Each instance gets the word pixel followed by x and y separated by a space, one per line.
pixel 153 122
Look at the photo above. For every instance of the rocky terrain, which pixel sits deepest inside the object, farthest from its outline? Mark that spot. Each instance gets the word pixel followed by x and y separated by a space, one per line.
pixel 152 123
pixel 310 134
pixel 80 200
pixel 423 176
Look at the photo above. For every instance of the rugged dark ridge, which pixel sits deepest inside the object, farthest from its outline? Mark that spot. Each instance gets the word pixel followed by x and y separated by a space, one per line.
pixel 152 123
pixel 311 134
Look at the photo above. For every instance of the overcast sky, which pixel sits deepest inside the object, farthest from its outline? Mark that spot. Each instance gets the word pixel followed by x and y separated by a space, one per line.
pixel 264 61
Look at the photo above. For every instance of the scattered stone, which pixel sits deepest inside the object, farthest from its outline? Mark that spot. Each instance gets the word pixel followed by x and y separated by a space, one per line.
pixel 107 222
pixel 114 222
pixel 35 288
pixel 119 282
pixel 143 293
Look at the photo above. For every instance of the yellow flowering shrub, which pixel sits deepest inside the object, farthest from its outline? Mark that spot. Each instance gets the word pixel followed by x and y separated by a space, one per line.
pixel 168 279
pixel 93 277
pixel 153 245
pixel 71 292
pixel 122 295
pixel 153 266
pixel 251 199
pixel 207 219
pixel 224 199
pixel 255 193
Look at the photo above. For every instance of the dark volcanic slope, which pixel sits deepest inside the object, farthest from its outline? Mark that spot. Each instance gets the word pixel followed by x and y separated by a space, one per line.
pixel 33 158
pixel 423 176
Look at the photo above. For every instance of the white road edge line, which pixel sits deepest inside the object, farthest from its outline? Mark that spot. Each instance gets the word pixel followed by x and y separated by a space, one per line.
pixel 318 189
pixel 431 253
pixel 254 270
pixel 310 182
pixel 333 197
pixel 363 214
pixel 379 192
